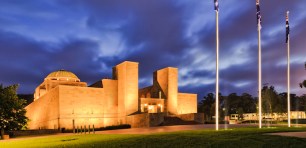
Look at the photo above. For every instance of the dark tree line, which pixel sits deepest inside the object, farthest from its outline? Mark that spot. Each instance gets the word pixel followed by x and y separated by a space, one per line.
pixel 272 101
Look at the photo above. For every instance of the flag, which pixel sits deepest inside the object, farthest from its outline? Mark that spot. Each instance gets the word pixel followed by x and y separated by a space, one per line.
pixel 216 5
pixel 258 14
pixel 287 27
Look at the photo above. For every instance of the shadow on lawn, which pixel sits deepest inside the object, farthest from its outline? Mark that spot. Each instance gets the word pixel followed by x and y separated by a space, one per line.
pixel 70 139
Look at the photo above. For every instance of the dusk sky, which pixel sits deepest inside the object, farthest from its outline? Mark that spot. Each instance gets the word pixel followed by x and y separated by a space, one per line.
pixel 89 37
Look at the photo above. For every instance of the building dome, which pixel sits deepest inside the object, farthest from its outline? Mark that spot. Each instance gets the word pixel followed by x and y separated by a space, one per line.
pixel 62 75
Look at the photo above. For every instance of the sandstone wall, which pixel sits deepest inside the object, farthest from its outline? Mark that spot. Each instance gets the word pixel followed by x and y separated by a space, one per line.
pixel 111 102
pixel 81 106
pixel 127 76
pixel 168 81
pixel 145 120
pixel 156 119
pixel 198 117
pixel 187 103
pixel 43 112
pixel 138 120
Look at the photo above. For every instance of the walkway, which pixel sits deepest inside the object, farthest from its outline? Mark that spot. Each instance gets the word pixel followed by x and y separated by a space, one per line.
pixel 290 134
pixel 160 129
pixel 149 130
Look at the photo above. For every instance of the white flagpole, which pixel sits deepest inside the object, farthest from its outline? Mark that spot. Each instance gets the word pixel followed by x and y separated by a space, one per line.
pixel 259 71
pixel 217 70
pixel 288 74
pixel 259 76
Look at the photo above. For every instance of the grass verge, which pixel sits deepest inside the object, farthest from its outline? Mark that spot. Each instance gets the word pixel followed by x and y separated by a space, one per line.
pixel 237 137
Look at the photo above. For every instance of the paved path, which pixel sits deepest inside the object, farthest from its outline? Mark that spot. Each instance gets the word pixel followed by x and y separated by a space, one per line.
pixel 290 134
pixel 149 130
pixel 174 128
pixel 160 129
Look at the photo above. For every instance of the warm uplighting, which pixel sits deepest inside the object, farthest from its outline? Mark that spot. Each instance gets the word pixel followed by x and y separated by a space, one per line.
pixel 120 99
pixel 150 107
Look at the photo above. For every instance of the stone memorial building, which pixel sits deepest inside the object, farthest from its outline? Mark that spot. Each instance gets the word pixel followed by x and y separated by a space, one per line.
pixel 62 100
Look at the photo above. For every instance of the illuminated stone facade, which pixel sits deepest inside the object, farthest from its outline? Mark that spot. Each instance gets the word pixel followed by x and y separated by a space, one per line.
pixel 63 101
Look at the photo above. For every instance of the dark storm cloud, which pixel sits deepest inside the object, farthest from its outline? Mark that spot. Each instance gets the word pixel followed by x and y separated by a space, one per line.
pixel 273 47
pixel 89 37
pixel 157 25
pixel 25 62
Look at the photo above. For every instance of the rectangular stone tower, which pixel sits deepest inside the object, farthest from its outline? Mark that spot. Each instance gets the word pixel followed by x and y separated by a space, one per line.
pixel 167 79
pixel 127 75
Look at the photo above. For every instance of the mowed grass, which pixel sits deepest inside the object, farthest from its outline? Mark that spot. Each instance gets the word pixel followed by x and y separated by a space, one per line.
pixel 237 137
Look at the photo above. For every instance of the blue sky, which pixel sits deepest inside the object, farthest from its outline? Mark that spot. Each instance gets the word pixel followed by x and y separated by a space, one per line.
pixel 89 37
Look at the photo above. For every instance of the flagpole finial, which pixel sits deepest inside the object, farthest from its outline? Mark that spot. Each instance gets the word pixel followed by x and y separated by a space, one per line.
pixel 257 2
pixel 287 27
pixel 216 3
pixel 287 15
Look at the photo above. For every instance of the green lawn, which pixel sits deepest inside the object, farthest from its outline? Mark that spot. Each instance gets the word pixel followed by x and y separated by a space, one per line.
pixel 239 137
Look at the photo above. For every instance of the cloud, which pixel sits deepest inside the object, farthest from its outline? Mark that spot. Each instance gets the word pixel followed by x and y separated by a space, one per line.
pixel 90 37
pixel 24 61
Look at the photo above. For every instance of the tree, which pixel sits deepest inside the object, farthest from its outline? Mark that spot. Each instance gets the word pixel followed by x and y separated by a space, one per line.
pixel 12 112
pixel 282 103
pixel 207 106
pixel 268 98
pixel 303 103
pixel 240 113
pixel 248 103
pixel 234 104
pixel 272 102
pixel 303 84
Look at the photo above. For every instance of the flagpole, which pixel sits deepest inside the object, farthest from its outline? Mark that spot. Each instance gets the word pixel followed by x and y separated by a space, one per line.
pixel 288 72
pixel 259 76
pixel 217 70
pixel 259 66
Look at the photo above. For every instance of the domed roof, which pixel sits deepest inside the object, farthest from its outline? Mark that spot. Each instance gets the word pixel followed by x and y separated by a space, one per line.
pixel 62 74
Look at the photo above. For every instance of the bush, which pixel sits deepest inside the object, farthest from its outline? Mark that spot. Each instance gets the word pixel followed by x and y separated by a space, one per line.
pixel 122 126
pixel 296 121
pixel 113 127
